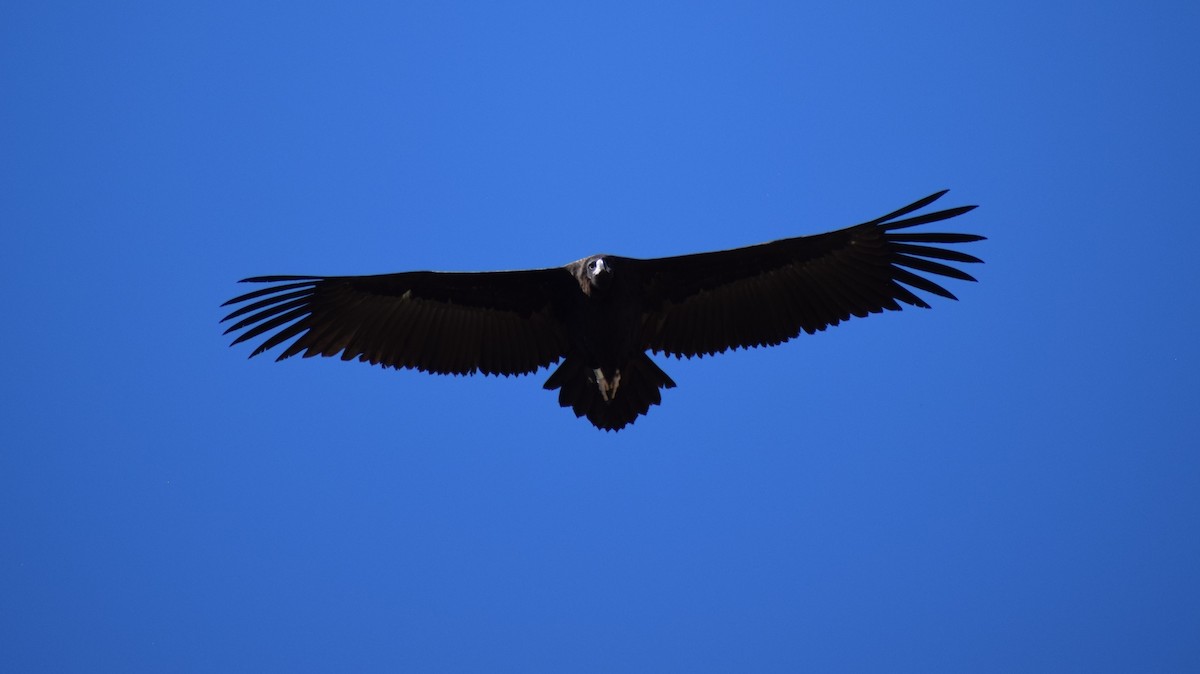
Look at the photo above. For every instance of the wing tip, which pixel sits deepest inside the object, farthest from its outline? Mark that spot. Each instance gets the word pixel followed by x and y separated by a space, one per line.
pixel 278 278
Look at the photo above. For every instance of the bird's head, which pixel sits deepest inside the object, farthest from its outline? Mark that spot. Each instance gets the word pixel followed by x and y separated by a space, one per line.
pixel 598 271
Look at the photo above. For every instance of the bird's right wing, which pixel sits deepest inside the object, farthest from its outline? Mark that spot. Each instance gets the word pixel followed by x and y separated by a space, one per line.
pixel 442 322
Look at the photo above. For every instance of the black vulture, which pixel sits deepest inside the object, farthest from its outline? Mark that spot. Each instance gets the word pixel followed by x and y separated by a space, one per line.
pixel 600 315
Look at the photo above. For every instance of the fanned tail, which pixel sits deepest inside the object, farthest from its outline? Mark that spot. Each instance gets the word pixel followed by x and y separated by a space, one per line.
pixel 636 389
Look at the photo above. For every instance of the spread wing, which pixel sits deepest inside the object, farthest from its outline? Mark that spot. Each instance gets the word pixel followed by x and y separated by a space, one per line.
pixel 447 323
pixel 766 294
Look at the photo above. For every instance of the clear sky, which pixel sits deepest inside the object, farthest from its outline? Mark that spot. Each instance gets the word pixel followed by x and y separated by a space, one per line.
pixel 1006 483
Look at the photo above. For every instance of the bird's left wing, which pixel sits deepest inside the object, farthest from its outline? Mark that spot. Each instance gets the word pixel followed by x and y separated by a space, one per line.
pixel 442 322
pixel 766 294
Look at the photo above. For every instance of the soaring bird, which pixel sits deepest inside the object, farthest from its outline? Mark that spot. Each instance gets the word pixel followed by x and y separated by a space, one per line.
pixel 601 314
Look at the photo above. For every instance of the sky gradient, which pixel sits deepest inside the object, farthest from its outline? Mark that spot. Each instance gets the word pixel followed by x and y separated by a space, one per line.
pixel 1010 482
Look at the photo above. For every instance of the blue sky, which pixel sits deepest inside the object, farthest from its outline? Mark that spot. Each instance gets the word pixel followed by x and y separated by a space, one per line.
pixel 1009 482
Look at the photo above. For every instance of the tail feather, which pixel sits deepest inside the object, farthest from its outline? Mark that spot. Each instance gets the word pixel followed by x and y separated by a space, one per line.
pixel 641 379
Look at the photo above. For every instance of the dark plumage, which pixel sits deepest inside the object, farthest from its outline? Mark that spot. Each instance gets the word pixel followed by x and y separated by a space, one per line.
pixel 603 313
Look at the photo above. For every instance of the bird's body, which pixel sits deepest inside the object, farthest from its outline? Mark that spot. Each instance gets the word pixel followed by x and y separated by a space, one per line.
pixel 601 314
